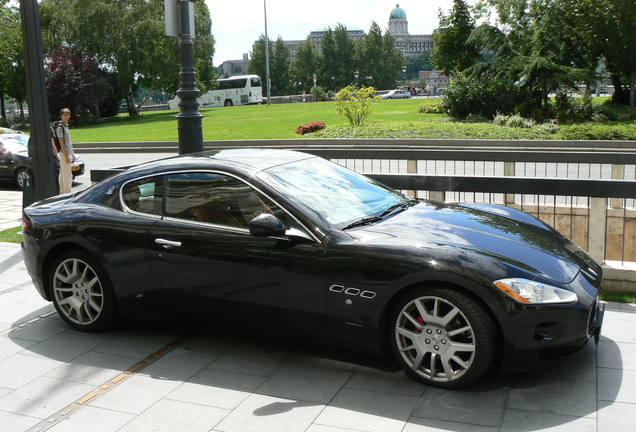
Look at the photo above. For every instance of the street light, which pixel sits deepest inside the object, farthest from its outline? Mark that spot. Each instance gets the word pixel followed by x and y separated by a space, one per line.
pixel 357 75
pixel 404 75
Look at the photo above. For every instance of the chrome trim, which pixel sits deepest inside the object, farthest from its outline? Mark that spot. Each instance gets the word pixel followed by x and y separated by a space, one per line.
pixel 336 288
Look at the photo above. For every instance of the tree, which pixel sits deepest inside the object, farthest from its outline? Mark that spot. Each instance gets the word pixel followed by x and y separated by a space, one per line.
pixel 337 62
pixel 257 65
pixel 75 82
pixel 128 37
pixel 279 64
pixel 416 64
pixel 533 50
pixel 12 78
pixel 609 27
pixel 453 51
pixel 344 57
pixel 380 62
pixel 328 67
pixel 304 66
pixel 279 71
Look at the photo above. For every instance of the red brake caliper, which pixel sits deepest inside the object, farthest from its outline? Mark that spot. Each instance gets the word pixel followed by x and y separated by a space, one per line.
pixel 421 321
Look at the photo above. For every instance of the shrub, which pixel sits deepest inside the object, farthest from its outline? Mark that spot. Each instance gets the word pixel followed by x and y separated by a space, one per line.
pixel 591 131
pixel 500 119
pixel 479 96
pixel 355 103
pixel 310 128
pixel 513 121
pixel 548 128
pixel 319 93
pixel 520 122
pixel 599 118
pixel 430 108
pixel 613 111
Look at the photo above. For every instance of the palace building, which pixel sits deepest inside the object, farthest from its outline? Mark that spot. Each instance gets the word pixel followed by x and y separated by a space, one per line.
pixel 411 45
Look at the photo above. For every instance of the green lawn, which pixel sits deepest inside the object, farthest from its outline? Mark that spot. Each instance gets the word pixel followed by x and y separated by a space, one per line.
pixel 275 121
pixel 392 119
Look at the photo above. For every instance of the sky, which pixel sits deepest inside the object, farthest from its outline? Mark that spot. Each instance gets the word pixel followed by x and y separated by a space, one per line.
pixel 236 26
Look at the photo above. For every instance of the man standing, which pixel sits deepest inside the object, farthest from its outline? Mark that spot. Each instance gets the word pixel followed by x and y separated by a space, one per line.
pixel 67 155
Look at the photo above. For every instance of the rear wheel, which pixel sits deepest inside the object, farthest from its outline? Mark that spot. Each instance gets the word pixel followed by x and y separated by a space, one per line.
pixel 82 292
pixel 228 103
pixel 441 337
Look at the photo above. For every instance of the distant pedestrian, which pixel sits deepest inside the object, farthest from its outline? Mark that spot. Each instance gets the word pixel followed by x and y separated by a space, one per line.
pixel 67 155
pixel 304 97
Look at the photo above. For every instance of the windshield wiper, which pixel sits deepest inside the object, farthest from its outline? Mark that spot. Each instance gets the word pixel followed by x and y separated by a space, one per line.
pixel 403 205
pixel 364 221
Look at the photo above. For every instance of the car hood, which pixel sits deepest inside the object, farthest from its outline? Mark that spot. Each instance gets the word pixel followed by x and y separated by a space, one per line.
pixel 522 242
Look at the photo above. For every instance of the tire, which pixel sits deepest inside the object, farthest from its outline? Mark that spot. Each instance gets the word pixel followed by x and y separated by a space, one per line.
pixel 20 176
pixel 441 337
pixel 228 103
pixel 82 292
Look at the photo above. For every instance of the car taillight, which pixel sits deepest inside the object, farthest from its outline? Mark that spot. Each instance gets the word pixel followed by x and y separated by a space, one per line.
pixel 26 223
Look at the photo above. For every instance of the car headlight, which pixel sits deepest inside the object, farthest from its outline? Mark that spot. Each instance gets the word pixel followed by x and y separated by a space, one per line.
pixel 532 292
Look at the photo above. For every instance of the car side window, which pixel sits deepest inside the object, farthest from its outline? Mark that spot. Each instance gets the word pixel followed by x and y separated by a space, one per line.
pixel 144 195
pixel 217 199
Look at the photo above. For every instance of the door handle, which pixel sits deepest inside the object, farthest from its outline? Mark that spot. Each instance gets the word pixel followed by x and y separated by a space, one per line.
pixel 168 244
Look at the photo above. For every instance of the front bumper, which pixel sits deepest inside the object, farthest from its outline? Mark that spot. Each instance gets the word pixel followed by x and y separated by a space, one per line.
pixel 535 335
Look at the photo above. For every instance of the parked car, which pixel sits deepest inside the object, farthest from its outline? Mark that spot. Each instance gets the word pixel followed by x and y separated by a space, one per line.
pixel 289 243
pixel 396 94
pixel 15 160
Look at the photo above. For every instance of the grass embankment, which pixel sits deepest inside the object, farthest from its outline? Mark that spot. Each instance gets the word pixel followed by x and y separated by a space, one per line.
pixel 392 119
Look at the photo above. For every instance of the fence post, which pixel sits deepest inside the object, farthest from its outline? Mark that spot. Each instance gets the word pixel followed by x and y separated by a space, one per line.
pixel 509 170
pixel 411 168
pixel 597 228
pixel 618 173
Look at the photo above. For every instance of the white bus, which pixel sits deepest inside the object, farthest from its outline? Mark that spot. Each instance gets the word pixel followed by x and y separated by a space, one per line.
pixel 236 90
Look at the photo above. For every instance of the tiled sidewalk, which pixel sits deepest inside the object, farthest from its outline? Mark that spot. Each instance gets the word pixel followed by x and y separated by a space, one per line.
pixel 156 376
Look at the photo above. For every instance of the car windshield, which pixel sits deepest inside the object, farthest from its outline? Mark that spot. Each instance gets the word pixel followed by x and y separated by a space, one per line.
pixel 332 193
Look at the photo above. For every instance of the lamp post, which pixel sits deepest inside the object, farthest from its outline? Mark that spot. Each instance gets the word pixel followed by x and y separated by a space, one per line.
pixel 42 183
pixel 180 23
pixel 356 74
pixel 404 75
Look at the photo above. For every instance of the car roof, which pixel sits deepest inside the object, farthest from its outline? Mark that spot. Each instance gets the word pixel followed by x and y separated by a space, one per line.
pixel 245 159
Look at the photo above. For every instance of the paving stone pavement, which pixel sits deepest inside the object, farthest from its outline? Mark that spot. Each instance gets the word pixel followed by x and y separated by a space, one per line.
pixel 147 376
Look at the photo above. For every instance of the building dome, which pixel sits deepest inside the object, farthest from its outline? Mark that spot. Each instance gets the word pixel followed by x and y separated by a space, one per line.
pixel 397 13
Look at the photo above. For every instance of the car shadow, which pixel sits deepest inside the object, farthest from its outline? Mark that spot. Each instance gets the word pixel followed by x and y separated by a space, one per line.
pixel 209 361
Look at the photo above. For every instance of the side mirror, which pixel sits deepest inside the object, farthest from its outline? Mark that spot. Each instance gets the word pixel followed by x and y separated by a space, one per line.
pixel 266 225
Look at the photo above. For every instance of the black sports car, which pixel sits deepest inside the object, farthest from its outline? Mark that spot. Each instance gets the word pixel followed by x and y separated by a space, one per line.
pixel 285 242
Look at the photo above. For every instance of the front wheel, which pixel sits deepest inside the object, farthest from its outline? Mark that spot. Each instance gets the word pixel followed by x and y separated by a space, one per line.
pixel 82 292
pixel 441 337
pixel 21 176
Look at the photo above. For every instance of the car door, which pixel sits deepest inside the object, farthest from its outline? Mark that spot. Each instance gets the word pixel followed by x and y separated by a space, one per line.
pixel 210 265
